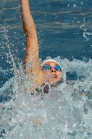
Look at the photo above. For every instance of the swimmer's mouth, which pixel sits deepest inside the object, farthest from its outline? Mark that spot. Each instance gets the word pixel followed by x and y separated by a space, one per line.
pixel 54 76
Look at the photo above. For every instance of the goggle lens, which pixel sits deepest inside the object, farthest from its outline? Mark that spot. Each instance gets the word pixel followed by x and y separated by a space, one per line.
pixel 48 67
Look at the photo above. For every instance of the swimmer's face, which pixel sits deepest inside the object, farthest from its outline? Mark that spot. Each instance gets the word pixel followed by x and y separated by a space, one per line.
pixel 52 76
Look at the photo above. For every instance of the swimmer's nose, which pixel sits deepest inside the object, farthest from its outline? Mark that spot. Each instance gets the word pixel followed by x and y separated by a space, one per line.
pixel 52 69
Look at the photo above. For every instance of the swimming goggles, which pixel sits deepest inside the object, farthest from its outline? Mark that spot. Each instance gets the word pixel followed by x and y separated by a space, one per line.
pixel 48 67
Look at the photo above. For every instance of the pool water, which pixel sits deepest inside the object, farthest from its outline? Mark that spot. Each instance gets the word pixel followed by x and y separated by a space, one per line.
pixel 64 30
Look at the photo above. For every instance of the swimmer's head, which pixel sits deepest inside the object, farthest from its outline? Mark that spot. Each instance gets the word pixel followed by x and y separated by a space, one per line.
pixel 52 72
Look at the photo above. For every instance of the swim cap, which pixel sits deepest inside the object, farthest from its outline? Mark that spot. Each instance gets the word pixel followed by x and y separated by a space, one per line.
pixel 50 60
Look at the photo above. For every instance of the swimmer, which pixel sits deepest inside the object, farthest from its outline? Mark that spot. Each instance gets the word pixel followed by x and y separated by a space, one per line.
pixel 50 71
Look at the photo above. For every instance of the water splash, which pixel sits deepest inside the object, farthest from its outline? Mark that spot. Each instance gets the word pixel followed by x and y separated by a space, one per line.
pixel 64 113
pixel 86 33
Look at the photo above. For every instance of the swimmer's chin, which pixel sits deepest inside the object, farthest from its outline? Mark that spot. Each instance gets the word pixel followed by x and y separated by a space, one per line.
pixel 55 84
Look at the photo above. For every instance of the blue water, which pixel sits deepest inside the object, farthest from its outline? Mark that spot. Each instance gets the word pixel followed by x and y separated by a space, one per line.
pixel 64 30
pixel 60 26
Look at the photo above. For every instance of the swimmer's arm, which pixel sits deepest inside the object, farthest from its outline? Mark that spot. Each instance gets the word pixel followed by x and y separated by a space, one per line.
pixel 32 56
pixel 28 23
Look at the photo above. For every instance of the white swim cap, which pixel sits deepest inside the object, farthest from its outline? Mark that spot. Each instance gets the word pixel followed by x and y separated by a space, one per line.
pixel 50 60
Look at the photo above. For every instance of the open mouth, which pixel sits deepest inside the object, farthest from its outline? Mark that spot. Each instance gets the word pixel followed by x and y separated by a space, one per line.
pixel 54 76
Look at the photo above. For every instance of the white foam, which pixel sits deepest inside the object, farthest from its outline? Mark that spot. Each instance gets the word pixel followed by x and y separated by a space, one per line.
pixel 64 113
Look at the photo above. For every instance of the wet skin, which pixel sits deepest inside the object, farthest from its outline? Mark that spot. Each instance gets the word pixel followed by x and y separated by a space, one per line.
pixel 52 76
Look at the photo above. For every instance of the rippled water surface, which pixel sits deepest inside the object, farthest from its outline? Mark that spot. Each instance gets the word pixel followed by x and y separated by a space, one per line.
pixel 64 30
